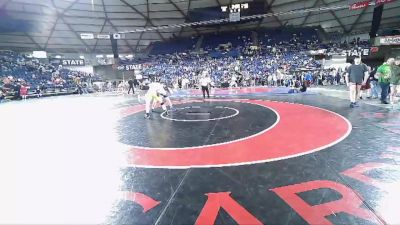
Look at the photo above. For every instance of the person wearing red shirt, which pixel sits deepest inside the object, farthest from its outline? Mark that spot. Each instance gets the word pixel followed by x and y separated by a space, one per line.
pixel 24 91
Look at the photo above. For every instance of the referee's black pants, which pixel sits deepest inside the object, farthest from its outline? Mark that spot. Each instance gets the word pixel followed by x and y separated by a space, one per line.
pixel 204 89
pixel 131 88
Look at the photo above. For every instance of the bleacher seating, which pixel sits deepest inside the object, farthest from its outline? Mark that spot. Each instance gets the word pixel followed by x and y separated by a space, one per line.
pixel 236 39
pixel 174 46
pixel 22 70
pixel 284 49
pixel 288 35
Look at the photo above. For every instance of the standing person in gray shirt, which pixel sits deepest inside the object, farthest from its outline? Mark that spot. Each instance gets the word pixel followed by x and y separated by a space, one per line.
pixel 356 76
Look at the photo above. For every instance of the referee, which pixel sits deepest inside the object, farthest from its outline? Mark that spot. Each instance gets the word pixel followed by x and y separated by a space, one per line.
pixel 131 86
pixel 356 76
pixel 205 82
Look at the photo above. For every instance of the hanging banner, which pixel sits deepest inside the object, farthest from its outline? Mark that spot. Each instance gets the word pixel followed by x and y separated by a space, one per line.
pixel 104 36
pixel 377 2
pixel 90 36
pixel 390 40
pixel 234 16
pixel 87 36
pixel 116 36
pixel 359 5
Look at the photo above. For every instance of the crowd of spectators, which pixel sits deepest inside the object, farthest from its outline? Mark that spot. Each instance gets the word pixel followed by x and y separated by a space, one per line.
pixel 21 76
pixel 271 57
pixel 279 59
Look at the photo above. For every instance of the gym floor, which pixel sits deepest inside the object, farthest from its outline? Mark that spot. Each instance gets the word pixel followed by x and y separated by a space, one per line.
pixel 244 156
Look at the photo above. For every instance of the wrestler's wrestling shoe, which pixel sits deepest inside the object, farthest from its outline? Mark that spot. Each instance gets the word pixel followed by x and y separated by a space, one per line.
pixel 147 116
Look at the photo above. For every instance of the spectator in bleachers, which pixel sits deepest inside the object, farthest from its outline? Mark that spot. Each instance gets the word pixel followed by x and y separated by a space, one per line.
pixel 38 91
pixel 78 84
pixel 24 90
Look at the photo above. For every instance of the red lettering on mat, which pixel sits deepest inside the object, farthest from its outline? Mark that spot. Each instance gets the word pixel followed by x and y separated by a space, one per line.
pixel 219 200
pixel 143 200
pixel 358 172
pixel 350 202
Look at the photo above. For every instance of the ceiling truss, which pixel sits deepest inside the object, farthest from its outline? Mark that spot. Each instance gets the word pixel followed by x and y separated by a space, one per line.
pixel 71 17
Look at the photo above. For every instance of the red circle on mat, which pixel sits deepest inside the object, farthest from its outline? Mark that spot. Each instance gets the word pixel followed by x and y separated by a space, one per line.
pixel 301 130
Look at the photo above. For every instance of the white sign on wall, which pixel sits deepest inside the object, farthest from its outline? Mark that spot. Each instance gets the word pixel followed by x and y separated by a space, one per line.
pixel 130 67
pixel 352 52
pixel 87 36
pixel 73 62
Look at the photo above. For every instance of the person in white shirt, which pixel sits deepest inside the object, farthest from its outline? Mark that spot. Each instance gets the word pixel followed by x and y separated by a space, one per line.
pixel 205 81
pixel 275 80
pixel 233 81
pixel 279 76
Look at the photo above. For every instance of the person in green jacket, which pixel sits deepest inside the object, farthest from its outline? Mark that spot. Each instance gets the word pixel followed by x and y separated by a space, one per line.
pixel 395 80
pixel 384 74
